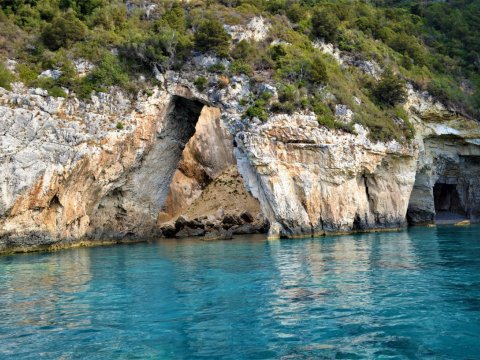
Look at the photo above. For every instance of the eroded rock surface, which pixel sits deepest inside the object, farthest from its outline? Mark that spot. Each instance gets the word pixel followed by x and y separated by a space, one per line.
pixel 311 180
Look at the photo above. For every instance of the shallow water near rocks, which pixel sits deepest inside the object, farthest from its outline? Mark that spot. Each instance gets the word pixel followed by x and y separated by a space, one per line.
pixel 402 295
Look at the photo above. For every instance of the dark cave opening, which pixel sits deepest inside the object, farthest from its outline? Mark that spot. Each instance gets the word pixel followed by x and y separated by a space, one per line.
pixel 119 211
pixel 448 205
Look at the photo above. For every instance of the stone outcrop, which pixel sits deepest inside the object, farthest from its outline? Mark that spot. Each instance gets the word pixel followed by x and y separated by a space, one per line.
pixel 110 168
pixel 61 158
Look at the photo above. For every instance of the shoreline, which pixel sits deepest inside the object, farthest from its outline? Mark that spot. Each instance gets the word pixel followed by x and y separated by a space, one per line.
pixel 84 243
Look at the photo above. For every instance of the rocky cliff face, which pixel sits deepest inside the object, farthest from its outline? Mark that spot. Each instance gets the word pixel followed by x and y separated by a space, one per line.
pixel 447 182
pixel 312 180
pixel 117 169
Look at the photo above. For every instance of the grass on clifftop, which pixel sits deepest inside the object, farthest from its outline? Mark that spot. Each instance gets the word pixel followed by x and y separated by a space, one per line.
pixel 436 46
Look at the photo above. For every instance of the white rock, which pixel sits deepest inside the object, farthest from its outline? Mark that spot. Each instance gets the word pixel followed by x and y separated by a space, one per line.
pixel 53 74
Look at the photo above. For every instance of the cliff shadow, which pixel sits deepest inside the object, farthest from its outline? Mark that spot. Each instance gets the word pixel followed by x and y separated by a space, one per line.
pixel 447 202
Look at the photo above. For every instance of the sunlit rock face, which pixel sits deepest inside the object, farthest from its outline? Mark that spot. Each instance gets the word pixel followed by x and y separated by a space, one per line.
pixel 312 180
pixel 112 168
pixel 61 158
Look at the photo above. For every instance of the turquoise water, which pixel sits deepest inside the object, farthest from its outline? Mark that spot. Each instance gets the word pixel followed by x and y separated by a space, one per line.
pixel 407 295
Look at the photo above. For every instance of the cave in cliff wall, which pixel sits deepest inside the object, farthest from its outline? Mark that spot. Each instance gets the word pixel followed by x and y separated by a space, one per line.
pixel 447 184
pixel 189 171
pixel 132 207
pixel 448 205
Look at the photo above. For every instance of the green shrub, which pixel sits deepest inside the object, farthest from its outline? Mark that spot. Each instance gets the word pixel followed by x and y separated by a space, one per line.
pixel 325 25
pixel 119 125
pixel 6 77
pixel 57 91
pixel 211 36
pixel 286 107
pixel 258 112
pixel 84 7
pixel 166 49
pixel 326 120
pixel 296 13
pixel 108 73
pixel 217 68
pixel 50 85
pixel 26 73
pixel 277 52
pixel 318 71
pixel 288 93
pixel 243 50
pixel 63 31
pixel 239 67
pixel 200 83
pixel 390 90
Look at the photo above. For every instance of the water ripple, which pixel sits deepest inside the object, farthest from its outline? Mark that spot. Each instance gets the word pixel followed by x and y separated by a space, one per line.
pixel 406 295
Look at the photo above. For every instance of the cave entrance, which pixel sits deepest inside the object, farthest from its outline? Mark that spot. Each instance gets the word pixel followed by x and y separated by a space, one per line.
pixel 448 206
pixel 133 206
pixel 447 183
pixel 152 180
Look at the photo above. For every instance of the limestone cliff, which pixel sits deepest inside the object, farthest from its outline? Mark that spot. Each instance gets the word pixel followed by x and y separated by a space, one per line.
pixel 170 164
pixel 312 180
pixel 448 167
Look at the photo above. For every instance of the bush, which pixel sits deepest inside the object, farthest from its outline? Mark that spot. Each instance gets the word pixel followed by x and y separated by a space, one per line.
pixel 211 36
pixel 324 114
pixel 288 93
pixel 84 7
pixel 239 67
pixel 50 85
pixel 258 112
pixel 242 50
pixel 108 73
pixel 318 71
pixel 164 50
pixel 287 107
pixel 6 77
pixel 390 90
pixel 326 120
pixel 119 125
pixel 325 25
pixel 200 83
pixel 296 13
pixel 217 68
pixel 63 31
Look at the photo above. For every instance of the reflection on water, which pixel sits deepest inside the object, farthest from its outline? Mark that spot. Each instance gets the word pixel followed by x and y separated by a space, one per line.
pixel 409 294
pixel 61 276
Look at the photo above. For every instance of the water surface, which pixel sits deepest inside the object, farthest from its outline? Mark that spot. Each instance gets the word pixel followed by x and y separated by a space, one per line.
pixel 403 295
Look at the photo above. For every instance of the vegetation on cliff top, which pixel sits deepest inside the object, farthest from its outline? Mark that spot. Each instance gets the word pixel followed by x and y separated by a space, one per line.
pixel 435 46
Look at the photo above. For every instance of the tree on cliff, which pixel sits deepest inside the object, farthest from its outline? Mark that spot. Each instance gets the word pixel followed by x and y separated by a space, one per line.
pixel 325 25
pixel 211 36
pixel 390 90
pixel 63 31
